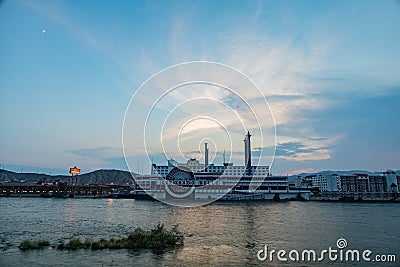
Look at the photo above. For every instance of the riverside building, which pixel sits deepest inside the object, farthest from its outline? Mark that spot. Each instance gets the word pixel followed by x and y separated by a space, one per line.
pixel 388 181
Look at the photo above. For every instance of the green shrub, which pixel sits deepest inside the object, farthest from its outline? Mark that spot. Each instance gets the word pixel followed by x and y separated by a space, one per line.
pixel 27 244
pixel 156 238
pixel 88 243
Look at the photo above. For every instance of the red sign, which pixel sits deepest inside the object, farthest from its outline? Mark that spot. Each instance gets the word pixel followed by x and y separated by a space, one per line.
pixel 74 170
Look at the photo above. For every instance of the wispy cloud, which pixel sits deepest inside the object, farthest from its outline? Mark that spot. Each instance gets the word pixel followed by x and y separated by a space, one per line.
pixel 99 152
pixel 278 69
pixel 278 66
pixel 300 151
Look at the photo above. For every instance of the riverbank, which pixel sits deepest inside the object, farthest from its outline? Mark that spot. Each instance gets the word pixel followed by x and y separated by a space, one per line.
pixel 60 190
pixel 357 197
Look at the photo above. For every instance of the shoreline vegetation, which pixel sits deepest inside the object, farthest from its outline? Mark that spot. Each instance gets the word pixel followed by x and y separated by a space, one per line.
pixel 158 238
pixel 28 244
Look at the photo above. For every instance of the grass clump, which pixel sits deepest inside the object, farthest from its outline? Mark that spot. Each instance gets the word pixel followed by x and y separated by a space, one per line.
pixel 28 244
pixel 156 238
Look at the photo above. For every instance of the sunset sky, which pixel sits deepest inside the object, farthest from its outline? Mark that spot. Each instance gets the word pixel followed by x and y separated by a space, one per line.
pixel 330 71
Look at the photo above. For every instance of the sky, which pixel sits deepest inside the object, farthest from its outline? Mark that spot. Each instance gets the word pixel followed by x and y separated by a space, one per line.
pixel 329 71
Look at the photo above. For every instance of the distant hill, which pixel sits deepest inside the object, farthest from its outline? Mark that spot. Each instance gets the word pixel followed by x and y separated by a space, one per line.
pixel 95 177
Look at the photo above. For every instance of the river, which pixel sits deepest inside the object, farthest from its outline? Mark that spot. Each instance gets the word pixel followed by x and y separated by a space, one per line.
pixel 219 234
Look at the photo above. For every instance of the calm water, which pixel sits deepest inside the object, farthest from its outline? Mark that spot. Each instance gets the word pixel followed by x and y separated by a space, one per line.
pixel 220 234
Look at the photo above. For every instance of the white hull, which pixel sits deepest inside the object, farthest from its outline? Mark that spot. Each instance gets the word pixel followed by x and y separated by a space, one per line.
pixel 237 195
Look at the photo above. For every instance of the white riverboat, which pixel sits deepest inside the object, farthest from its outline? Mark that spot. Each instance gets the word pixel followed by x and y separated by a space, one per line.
pixel 195 181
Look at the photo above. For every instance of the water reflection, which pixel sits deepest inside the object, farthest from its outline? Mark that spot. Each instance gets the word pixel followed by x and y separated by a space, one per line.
pixel 71 210
pixel 110 210
pixel 217 234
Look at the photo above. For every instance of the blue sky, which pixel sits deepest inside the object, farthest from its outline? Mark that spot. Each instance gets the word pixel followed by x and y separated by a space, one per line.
pixel 329 69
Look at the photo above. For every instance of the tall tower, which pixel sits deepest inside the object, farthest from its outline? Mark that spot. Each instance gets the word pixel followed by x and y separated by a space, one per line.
pixel 247 151
pixel 205 155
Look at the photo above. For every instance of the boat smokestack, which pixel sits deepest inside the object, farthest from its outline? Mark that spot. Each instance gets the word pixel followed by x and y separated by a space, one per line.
pixel 206 155
pixel 247 150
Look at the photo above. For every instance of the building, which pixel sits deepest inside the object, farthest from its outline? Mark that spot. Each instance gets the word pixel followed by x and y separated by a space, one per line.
pixel 398 183
pixel 325 183
pixel 377 183
pixel 391 181
pixel 348 183
pixel 358 182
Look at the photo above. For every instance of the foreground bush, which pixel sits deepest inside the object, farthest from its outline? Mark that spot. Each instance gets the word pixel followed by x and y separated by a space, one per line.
pixel 156 238
pixel 27 244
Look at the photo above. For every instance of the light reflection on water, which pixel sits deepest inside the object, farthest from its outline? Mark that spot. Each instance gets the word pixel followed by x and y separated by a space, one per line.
pixel 219 234
pixel 110 210
pixel 71 210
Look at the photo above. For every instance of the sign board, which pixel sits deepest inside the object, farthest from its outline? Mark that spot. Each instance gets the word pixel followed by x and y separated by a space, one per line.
pixel 74 170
